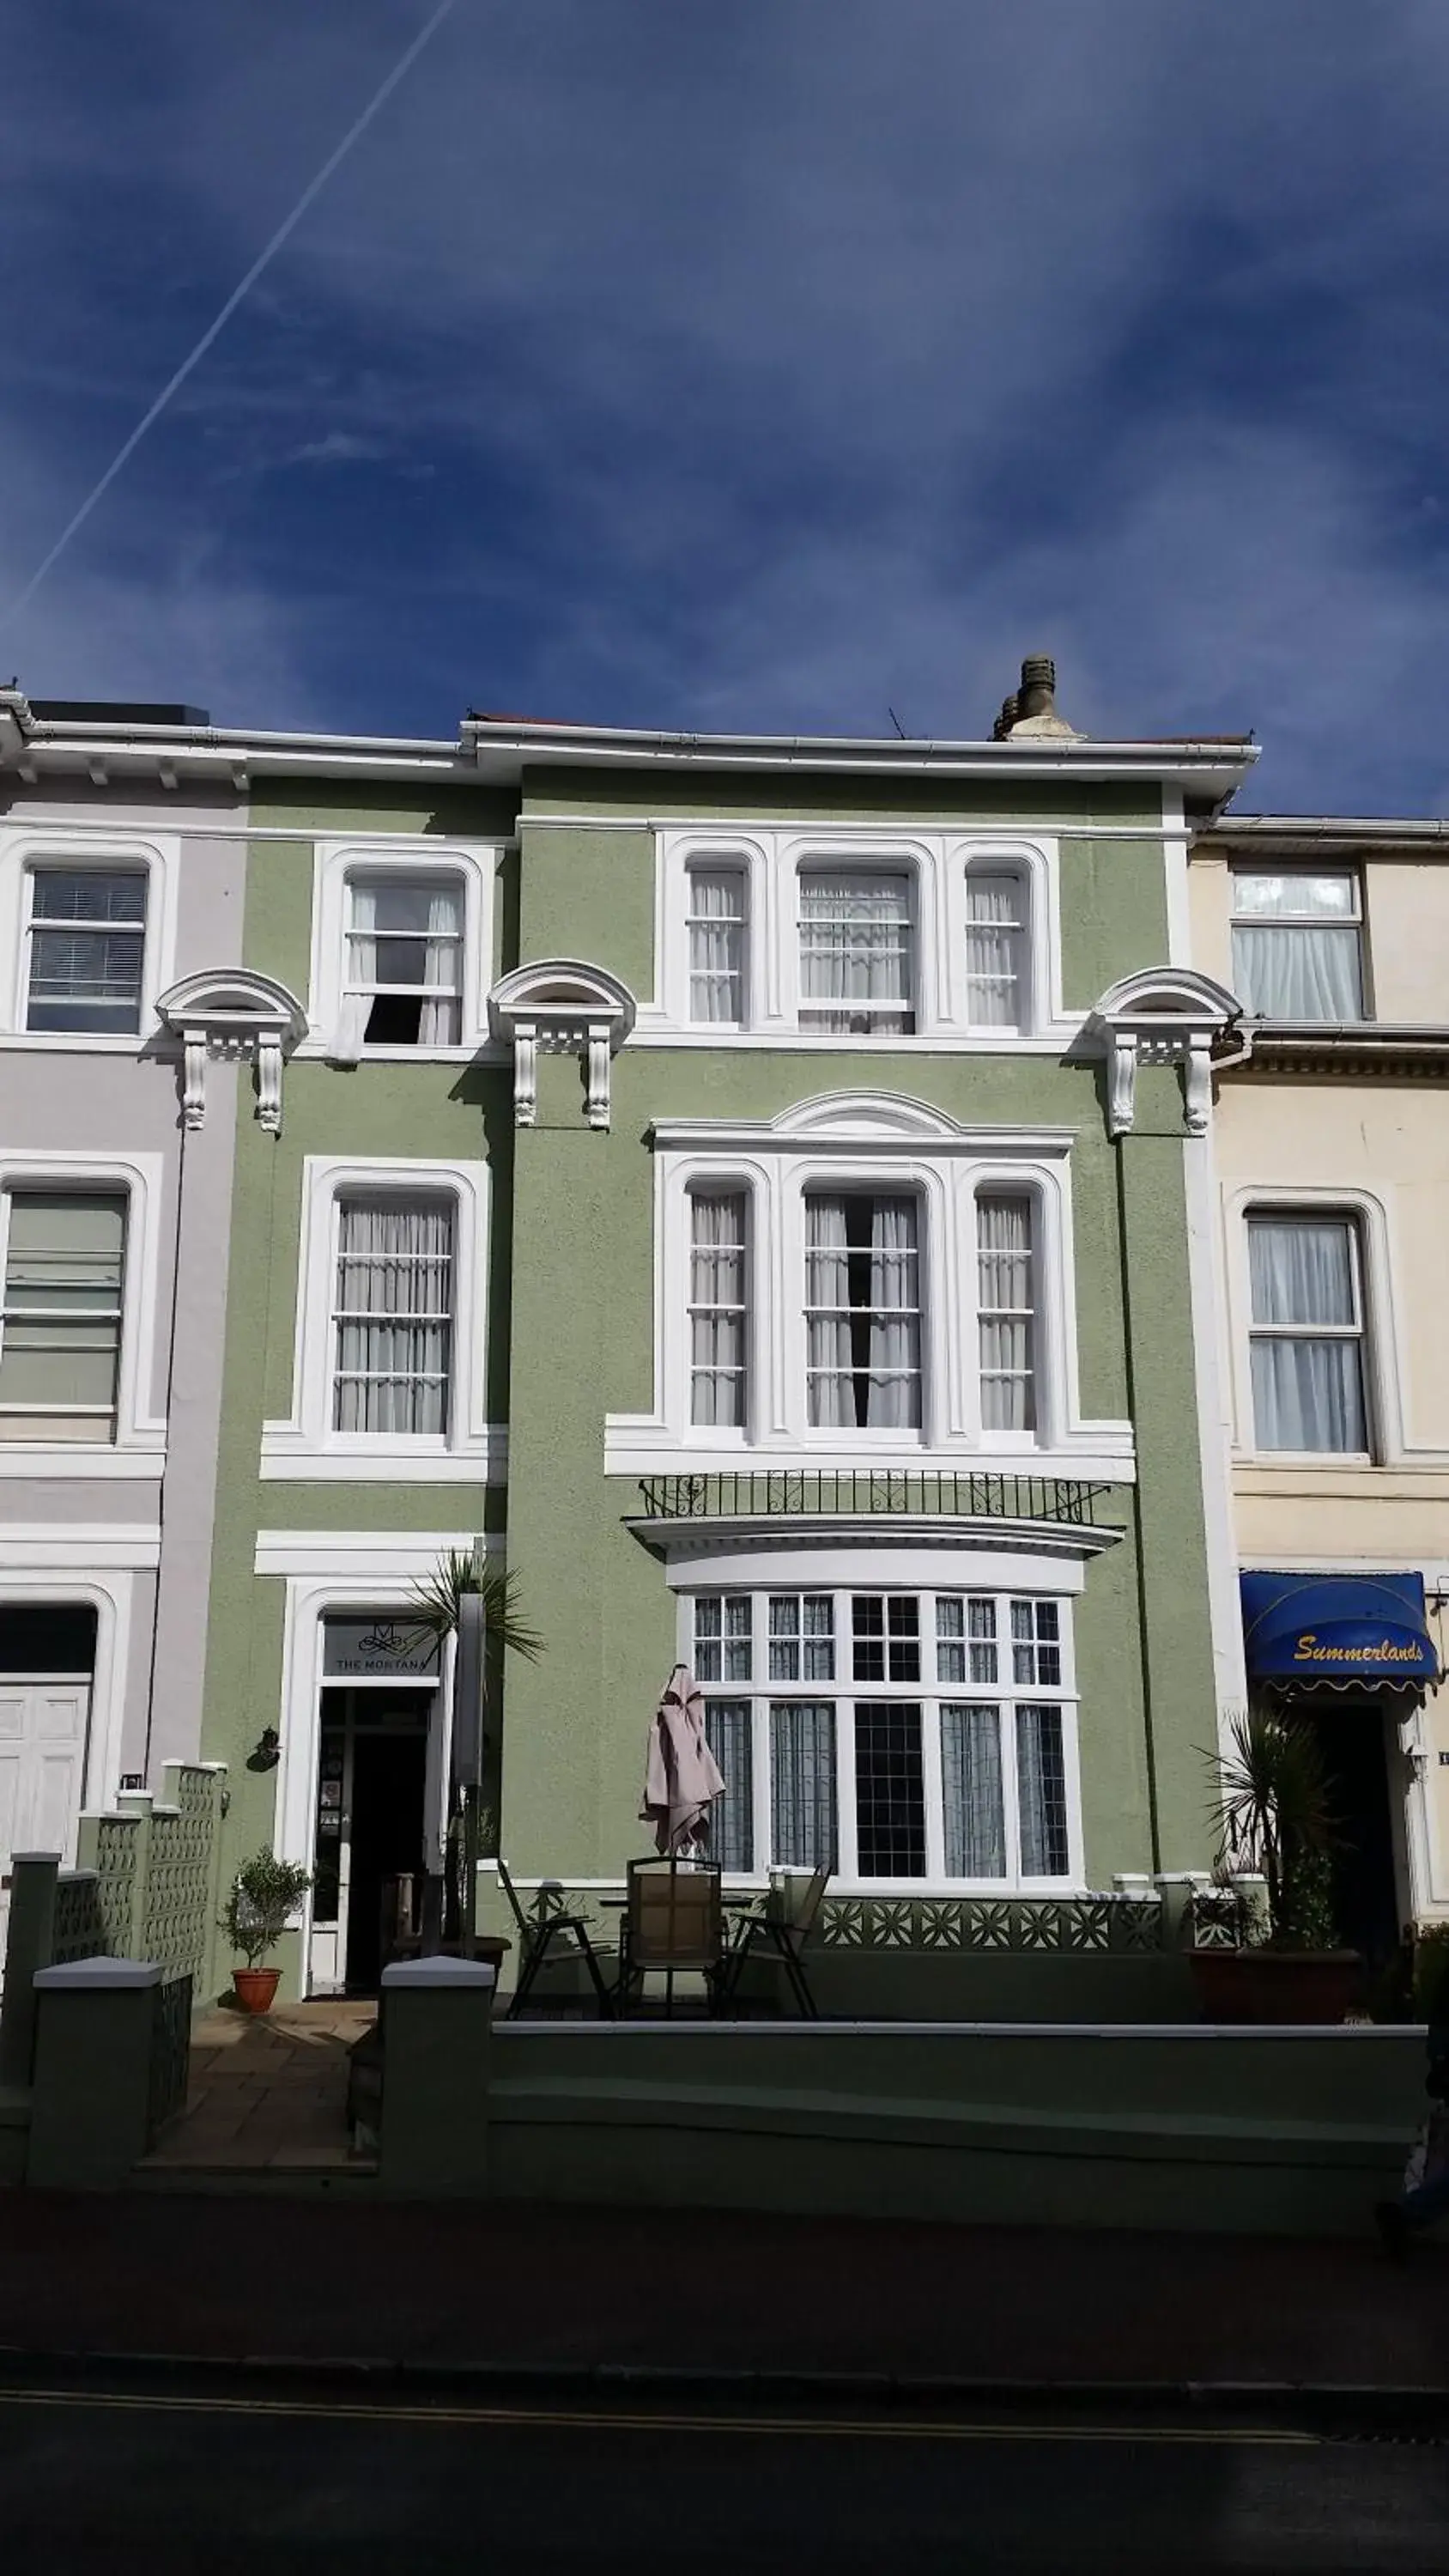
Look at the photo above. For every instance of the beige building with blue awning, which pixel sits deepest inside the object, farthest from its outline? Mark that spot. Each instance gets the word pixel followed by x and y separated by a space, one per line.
pixel 1330 1248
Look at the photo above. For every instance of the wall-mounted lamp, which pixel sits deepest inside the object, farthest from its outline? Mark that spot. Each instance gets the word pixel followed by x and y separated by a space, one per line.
pixel 266 1753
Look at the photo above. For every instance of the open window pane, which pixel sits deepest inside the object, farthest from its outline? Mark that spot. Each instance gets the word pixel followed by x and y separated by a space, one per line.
pixel 718 902
pixel 718 1310
pixel 405 960
pixel 856 966
pixel 393 1316
pixel 87 951
pixel 60 1349
pixel 996 941
pixel 802 1783
pixel 890 1790
pixel 971 1792
pixel 863 1312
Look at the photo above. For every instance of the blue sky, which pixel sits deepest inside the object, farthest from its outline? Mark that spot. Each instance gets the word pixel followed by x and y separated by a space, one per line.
pixel 760 365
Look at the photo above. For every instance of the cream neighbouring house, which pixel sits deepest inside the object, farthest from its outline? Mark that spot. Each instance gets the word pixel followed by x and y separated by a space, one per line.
pixel 1332 1161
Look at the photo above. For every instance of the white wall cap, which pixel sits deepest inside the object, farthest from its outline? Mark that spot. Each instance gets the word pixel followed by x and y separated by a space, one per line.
pixel 440 1973
pixel 97 1976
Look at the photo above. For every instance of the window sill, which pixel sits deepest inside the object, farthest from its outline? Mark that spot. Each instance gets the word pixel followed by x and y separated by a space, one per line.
pixel 316 1050
pixel 948 1037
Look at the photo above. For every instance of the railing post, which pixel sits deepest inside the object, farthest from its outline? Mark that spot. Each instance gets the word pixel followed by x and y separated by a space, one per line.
pixel 141 1804
pixel 29 1936
pixel 90 2114
pixel 437 2030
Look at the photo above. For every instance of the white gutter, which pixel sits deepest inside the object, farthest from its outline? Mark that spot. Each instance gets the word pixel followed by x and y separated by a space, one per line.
pixel 1307 832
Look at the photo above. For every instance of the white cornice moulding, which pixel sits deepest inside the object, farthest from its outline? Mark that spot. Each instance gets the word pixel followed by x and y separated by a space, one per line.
pixel 368 1556
pixel 72 1546
pixel 237 1016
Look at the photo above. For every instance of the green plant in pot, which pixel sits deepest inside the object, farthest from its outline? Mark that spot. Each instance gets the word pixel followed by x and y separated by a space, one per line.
pixel 1275 1820
pixel 472 1831
pixel 265 1894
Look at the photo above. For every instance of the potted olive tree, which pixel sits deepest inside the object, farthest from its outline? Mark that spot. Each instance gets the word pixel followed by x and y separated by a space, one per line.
pixel 265 1894
pixel 1275 1821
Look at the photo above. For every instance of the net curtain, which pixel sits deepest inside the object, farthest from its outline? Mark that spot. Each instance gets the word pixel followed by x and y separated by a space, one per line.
pixel 885 1393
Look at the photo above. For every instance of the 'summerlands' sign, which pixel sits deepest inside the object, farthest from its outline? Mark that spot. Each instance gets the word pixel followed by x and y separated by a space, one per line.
pixel 1311 1649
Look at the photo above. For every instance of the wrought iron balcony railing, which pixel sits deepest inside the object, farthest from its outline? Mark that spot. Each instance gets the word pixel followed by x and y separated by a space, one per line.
pixel 864 1491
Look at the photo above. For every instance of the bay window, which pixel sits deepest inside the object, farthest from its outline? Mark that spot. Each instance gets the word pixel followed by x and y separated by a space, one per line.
pixel 904 1737
pixel 1306 1334
pixel 856 952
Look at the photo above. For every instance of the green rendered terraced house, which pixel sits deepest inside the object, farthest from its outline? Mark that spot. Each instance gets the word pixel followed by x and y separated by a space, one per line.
pixel 759 1189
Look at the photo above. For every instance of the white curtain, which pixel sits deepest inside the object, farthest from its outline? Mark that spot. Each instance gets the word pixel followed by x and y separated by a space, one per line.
pixel 827 1300
pixel 394 1316
pixel 716 944
pixel 1292 968
pixel 1041 1791
pixel 995 928
pixel 402 936
pixel 855 948
pixel 894 1399
pixel 802 1784
pixel 971 1793
pixel 886 1392
pixel 718 1308
pixel 1307 1383
pixel 1005 1313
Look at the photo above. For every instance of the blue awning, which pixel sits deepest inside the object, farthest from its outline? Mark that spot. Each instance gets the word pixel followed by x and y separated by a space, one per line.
pixel 1343 1628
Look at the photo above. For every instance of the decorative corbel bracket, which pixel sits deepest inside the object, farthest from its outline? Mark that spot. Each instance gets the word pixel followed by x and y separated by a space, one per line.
pixel 228 1014
pixel 1165 1015
pixel 561 1006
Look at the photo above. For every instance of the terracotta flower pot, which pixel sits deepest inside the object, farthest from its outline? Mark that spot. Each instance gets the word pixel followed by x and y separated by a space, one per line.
pixel 255 1987
pixel 1286 1986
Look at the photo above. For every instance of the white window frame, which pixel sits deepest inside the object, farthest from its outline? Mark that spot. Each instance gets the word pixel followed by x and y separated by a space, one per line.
pixel 1382 1403
pixel 1357 921
pixel 475 864
pixel 935 1573
pixel 306 1447
pixel 846 1142
pixel 139 1445
pixel 739 867
pixel 771 857
pixel 904 863
pixel 27 849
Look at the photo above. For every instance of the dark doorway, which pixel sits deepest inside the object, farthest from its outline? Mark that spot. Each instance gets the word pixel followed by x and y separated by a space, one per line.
pixel 388 1769
pixel 1365 1879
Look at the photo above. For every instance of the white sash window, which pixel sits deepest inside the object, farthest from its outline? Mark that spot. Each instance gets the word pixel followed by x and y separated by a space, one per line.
pixel 1297 944
pixel 718 1307
pixel 862 1311
pixel 393 1316
pixel 856 963
pixel 1307 1333
pixel 717 922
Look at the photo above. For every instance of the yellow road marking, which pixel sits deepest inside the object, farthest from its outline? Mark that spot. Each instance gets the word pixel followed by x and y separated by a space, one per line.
pixel 836 2429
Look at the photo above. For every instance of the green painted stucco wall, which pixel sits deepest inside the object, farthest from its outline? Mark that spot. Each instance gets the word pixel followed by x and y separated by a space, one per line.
pixel 572 1221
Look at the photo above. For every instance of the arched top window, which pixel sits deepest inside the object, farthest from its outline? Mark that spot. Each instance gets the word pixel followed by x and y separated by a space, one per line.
pixel 998 945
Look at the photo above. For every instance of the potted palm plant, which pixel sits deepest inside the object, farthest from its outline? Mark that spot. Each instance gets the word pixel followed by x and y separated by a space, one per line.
pixel 439 1608
pixel 1274 1819
pixel 265 1894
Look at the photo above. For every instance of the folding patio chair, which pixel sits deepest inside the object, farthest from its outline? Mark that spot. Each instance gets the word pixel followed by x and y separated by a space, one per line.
pixel 673 1920
pixel 537 1935
pixel 768 1931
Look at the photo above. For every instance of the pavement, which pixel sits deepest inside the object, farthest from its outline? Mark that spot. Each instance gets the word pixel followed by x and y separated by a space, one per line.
pixel 625 2296
pixel 266 2091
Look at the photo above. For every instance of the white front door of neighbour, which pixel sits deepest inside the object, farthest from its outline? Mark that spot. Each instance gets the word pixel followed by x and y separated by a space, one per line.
pixel 43 1727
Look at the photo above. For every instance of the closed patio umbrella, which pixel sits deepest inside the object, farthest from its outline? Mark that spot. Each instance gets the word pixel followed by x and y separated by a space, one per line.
pixel 681 1775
